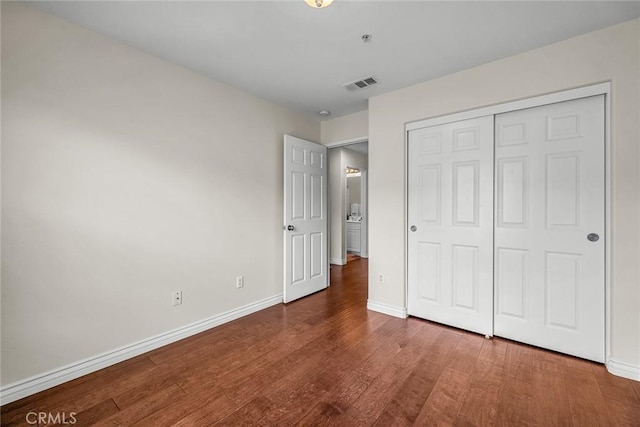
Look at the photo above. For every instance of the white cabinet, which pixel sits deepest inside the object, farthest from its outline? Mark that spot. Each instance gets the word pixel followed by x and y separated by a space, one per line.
pixel 353 236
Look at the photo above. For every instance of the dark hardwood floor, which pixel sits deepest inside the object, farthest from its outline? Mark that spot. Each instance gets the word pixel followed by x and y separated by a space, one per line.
pixel 326 360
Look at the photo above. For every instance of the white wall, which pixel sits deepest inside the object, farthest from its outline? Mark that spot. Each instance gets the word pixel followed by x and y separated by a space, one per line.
pixel 125 177
pixel 345 128
pixel 610 54
pixel 336 196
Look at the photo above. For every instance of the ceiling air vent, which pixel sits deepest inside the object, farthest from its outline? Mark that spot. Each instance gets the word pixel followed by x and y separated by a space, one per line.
pixel 361 84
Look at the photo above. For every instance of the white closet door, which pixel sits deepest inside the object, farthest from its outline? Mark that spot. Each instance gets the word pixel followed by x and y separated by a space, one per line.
pixel 450 239
pixel 549 205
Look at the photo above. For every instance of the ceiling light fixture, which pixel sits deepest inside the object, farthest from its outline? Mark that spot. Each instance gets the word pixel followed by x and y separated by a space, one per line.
pixel 324 113
pixel 318 4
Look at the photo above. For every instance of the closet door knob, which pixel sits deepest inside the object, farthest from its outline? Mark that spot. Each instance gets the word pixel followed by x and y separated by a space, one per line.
pixel 593 237
pixel 413 228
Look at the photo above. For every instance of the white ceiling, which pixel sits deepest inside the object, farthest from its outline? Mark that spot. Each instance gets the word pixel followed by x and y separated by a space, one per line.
pixel 299 57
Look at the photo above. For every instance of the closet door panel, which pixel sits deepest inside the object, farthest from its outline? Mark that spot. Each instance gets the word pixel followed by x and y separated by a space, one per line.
pixel 550 172
pixel 450 237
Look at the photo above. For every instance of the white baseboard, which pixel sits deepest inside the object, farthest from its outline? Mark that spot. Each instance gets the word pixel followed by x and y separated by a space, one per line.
pixel 40 382
pixel 623 369
pixel 391 310
pixel 337 261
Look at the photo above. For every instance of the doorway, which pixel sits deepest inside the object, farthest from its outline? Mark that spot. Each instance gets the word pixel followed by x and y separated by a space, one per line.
pixel 355 215
pixel 348 191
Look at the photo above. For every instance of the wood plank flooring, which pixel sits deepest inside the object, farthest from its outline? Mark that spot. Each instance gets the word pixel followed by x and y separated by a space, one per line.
pixel 327 360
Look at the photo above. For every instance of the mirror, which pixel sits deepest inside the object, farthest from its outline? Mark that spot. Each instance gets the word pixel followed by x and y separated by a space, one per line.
pixel 354 198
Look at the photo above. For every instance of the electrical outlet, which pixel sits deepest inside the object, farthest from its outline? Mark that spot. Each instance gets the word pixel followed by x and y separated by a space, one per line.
pixel 240 282
pixel 380 278
pixel 177 297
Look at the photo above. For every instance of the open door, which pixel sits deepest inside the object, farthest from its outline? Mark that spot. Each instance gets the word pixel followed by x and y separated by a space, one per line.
pixel 305 218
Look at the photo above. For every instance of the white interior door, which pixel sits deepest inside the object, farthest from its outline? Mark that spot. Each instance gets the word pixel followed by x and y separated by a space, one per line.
pixel 549 204
pixel 305 218
pixel 450 212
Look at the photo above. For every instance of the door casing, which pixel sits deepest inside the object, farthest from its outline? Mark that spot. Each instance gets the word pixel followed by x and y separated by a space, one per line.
pixel 346 144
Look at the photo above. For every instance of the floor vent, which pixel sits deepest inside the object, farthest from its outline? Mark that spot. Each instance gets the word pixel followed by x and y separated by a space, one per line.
pixel 361 84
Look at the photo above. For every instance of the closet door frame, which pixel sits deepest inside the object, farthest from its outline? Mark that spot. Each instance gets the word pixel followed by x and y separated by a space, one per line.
pixel 537 101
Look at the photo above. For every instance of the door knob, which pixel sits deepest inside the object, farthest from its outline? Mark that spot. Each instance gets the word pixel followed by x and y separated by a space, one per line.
pixel 290 227
pixel 413 228
pixel 593 237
